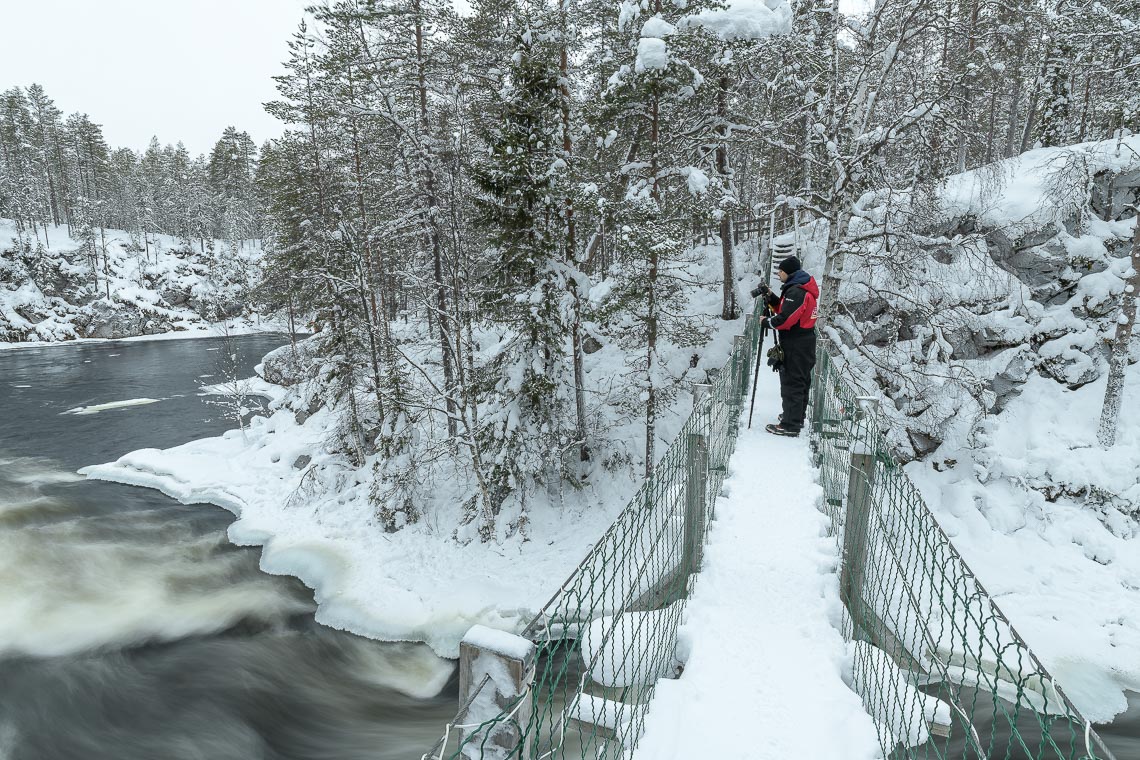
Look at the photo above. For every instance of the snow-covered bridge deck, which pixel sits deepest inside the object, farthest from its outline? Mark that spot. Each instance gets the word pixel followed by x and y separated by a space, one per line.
pixel 764 669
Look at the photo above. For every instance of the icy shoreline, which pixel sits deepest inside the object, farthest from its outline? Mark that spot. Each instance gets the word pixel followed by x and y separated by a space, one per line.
pixel 416 585
pixel 295 494
pixel 233 328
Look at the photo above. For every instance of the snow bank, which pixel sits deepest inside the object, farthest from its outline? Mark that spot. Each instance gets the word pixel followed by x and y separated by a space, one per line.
pixel 316 524
pixel 252 386
pixel 253 325
pixel 316 518
pixel 760 641
pixel 1033 508
pixel 1037 188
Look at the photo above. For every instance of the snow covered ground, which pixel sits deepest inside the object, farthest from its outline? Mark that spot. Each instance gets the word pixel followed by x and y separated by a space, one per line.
pixel 1063 566
pixel 765 660
pixel 312 512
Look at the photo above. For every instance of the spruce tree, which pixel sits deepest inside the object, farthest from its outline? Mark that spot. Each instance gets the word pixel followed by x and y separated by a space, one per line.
pixel 522 213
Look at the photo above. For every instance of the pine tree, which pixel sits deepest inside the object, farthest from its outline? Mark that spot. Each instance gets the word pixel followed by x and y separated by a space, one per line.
pixel 657 87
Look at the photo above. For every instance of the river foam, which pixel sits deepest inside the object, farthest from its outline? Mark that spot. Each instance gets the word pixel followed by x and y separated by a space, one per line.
pixel 75 583
pixel 67 590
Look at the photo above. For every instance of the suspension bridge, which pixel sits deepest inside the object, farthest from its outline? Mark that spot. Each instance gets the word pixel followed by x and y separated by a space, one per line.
pixel 939 668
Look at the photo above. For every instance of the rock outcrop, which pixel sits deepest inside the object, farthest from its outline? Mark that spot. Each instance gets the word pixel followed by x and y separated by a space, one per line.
pixel 987 285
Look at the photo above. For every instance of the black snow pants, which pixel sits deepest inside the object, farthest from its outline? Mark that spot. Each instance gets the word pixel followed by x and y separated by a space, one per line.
pixel 795 375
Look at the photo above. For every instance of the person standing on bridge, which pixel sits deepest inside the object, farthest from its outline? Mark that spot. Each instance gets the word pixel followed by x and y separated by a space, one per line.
pixel 795 311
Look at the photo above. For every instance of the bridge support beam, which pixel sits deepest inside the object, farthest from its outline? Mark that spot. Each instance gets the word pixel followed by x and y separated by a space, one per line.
pixel 495 671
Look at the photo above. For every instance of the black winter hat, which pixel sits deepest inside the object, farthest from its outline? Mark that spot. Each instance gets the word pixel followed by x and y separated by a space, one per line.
pixel 790 265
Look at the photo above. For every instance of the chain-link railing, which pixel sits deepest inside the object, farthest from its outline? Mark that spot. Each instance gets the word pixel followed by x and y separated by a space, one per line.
pixel 937 664
pixel 610 632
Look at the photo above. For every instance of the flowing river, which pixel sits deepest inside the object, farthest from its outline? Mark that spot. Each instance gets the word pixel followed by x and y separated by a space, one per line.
pixel 130 628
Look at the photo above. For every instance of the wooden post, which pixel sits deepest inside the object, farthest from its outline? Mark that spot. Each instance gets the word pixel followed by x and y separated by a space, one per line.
pixel 855 529
pixel 506 662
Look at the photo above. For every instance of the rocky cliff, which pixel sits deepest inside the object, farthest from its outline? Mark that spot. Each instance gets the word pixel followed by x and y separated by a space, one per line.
pixel 55 288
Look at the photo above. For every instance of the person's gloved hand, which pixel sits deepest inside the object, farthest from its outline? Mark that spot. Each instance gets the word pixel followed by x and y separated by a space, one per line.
pixel 764 323
pixel 776 358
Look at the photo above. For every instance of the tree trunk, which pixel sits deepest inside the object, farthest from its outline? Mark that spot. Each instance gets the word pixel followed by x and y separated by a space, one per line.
pixel 433 230
pixel 106 264
pixel 991 129
pixel 651 306
pixel 1031 112
pixel 292 325
pixel 1085 108
pixel 966 87
pixel 367 269
pixel 572 250
pixel 1118 362
pixel 728 274
pixel 833 268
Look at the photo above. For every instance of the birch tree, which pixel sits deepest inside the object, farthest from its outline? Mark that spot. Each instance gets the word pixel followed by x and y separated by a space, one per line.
pixel 1121 348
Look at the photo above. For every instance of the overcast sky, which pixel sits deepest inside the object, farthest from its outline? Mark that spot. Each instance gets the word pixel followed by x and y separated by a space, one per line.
pixel 176 69
pixel 179 70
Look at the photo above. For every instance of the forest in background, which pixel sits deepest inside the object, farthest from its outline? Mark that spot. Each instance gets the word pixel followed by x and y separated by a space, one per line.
pixel 468 205
pixel 61 171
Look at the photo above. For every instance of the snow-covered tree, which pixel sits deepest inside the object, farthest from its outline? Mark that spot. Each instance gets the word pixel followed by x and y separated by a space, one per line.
pixel 1121 348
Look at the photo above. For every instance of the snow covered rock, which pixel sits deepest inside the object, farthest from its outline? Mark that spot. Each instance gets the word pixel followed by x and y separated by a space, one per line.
pixel 104 319
pixel 1004 272
pixel 289 364
pixel 58 291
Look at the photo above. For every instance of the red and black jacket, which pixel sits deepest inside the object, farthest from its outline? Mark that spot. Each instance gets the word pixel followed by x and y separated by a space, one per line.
pixel 797 307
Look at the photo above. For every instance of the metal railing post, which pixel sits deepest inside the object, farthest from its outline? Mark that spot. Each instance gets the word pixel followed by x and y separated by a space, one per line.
pixel 749 348
pixel 861 479
pixel 738 359
pixel 819 388
pixel 696 489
